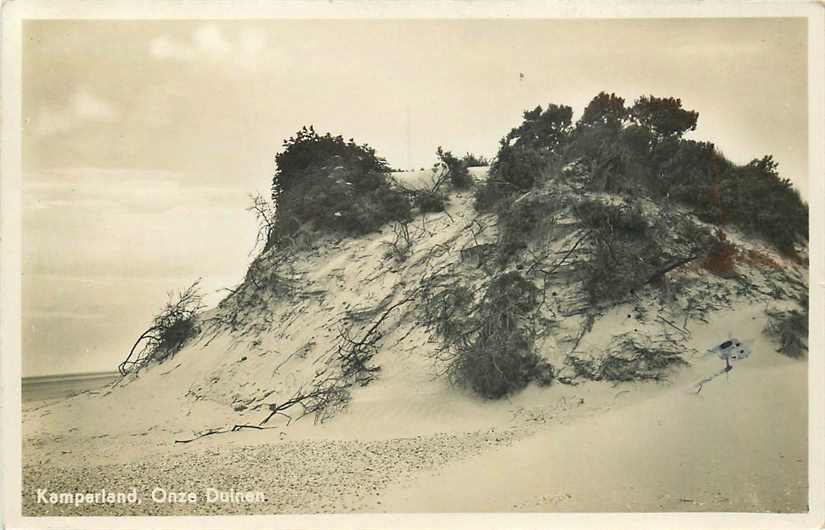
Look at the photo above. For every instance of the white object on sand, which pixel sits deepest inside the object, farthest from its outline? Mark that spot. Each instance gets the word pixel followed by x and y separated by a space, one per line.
pixel 732 349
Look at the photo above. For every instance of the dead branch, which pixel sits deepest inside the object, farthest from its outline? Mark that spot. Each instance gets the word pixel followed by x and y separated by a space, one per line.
pixel 560 261
pixel 402 244
pixel 266 218
pixel 210 432
pixel 175 325
pixel 676 264
pixel 674 326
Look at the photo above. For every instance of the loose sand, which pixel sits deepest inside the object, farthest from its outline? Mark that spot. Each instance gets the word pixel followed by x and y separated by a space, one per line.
pixel 739 445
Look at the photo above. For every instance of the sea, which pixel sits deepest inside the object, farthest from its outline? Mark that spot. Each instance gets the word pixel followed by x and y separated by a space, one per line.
pixel 65 385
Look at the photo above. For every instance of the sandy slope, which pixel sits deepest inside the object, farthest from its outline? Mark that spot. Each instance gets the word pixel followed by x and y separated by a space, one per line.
pixel 410 442
pixel 740 446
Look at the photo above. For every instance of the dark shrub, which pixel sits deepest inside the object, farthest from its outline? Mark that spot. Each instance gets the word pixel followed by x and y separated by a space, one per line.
pixel 619 159
pixel 334 185
pixel 520 167
pixel 330 204
pixel 542 130
pixel 500 360
pixel 490 341
pixel 471 160
pixel 612 218
pixel 307 152
pixel 624 251
pixel 520 220
pixel 686 175
pixel 525 154
pixel 630 358
pixel 604 110
pixel 641 151
pixel 762 202
pixel 429 201
pixel 665 117
pixel 752 197
pixel 452 169
pixel 488 193
pixel 790 329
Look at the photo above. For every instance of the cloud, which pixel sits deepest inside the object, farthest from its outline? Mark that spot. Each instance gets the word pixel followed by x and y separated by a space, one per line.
pixel 210 43
pixel 252 40
pixel 82 107
pixel 90 107
pixel 119 190
pixel 63 315
pixel 165 48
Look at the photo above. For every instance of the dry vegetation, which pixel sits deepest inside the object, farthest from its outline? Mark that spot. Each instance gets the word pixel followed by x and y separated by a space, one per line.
pixel 176 324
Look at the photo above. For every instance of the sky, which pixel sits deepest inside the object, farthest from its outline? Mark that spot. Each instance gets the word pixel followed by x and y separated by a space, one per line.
pixel 142 140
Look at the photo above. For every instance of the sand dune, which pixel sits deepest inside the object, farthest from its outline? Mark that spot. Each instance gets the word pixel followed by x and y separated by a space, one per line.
pixel 409 441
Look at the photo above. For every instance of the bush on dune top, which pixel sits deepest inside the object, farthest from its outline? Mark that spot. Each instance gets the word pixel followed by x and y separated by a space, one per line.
pixel 335 186
pixel 641 150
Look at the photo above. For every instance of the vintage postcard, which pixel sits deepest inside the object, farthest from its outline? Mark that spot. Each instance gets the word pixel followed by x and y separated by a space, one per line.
pixel 374 265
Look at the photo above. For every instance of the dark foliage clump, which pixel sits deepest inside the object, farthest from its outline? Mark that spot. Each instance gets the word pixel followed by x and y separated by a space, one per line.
pixel 624 252
pixel 334 186
pixel 515 169
pixel 542 130
pixel 604 110
pixel 663 117
pixel 525 154
pixel 304 153
pixel 519 166
pixel 452 169
pixel 490 342
pixel 790 329
pixel 615 219
pixel 629 358
pixel 472 160
pixel 429 201
pixel 641 150
pixel 500 359
pixel 757 199
pixel 521 220
pixel 490 192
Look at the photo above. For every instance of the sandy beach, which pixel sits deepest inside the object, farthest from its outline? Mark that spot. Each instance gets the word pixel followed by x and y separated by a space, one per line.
pixel 739 445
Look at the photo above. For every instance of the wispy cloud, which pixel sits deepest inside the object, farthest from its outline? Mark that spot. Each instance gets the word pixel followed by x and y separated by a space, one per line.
pixel 80 108
pixel 112 190
pixel 165 48
pixel 210 40
pixel 63 315
pixel 87 106
pixel 210 43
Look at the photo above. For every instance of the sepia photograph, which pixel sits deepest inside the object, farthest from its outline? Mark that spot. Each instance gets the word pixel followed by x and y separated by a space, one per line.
pixel 415 265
